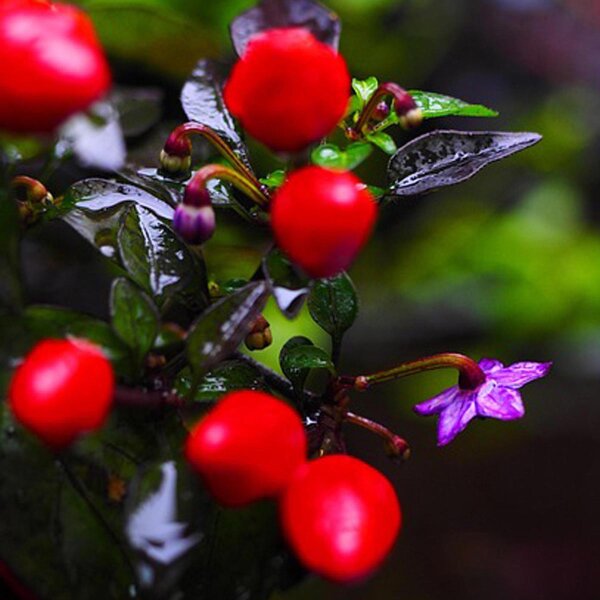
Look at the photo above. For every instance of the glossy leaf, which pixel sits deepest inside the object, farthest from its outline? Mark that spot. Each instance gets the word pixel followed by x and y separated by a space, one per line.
pixel 220 329
pixel 202 101
pixel 296 374
pixel 332 157
pixel 333 304
pixel 134 317
pixel 228 376
pixel 315 17
pixel 439 105
pixel 287 285
pixel 274 179
pixel 443 158
pixel 157 260
pixel 383 141
pixel 364 89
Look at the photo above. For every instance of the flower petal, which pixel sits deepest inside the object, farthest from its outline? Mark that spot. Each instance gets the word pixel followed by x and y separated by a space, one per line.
pixel 455 418
pixel 489 365
pixel 517 375
pixel 437 403
pixel 501 403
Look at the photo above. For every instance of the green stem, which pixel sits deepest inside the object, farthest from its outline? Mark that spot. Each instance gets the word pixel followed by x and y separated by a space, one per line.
pixel 470 374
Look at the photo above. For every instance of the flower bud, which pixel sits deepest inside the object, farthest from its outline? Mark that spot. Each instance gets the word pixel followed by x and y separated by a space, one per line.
pixel 172 164
pixel 260 336
pixel 194 224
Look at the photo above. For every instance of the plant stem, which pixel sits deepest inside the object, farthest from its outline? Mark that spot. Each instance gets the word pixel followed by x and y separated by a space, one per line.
pixel 395 445
pixel 470 373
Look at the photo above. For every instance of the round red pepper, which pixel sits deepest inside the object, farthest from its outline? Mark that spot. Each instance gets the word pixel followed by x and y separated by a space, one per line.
pixel 321 219
pixel 289 89
pixel 63 389
pixel 52 65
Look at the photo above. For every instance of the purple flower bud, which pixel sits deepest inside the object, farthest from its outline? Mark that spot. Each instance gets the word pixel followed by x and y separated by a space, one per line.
pixel 194 224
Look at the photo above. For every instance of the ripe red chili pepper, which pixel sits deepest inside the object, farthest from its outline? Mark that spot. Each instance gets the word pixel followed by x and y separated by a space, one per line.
pixel 340 516
pixel 321 219
pixel 248 447
pixel 288 89
pixel 52 65
pixel 63 389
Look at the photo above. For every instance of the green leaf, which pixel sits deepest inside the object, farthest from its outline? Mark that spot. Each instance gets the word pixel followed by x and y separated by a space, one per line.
pixel 54 322
pixel 333 304
pixel 364 89
pixel 220 329
pixel 298 357
pixel 438 105
pixel 158 261
pixel 383 141
pixel 274 179
pixel 134 317
pixel 296 375
pixel 287 285
pixel 228 376
pixel 332 157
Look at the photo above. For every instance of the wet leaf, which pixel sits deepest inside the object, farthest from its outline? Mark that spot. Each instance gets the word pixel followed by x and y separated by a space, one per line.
pixel 443 158
pixel 439 105
pixel 333 304
pixel 157 260
pixel 383 141
pixel 274 179
pixel 296 374
pixel 228 376
pixel 135 319
pixel 332 157
pixel 202 101
pixel 286 284
pixel 220 329
pixel 315 17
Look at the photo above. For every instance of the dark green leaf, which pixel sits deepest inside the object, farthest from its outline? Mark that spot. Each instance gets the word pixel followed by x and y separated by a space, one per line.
pixel 286 284
pixel 228 376
pixel 298 357
pixel 438 105
pixel 157 260
pixel 443 158
pixel 331 157
pixel 53 322
pixel 296 375
pixel 134 317
pixel 333 304
pixel 221 329
pixel 269 14
pixel 364 89
pixel 202 101
pixel 139 109
pixel 383 141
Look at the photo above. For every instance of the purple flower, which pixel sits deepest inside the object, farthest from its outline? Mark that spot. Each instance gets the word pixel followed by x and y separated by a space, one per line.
pixel 497 397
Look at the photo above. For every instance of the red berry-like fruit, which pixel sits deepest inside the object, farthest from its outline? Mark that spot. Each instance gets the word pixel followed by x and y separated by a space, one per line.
pixel 61 390
pixel 340 517
pixel 322 218
pixel 52 65
pixel 248 447
pixel 288 89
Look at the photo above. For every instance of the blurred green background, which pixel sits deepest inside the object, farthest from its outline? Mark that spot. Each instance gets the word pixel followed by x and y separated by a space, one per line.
pixel 507 265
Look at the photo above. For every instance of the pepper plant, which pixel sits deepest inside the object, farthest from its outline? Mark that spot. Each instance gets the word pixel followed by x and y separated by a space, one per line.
pixel 151 455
